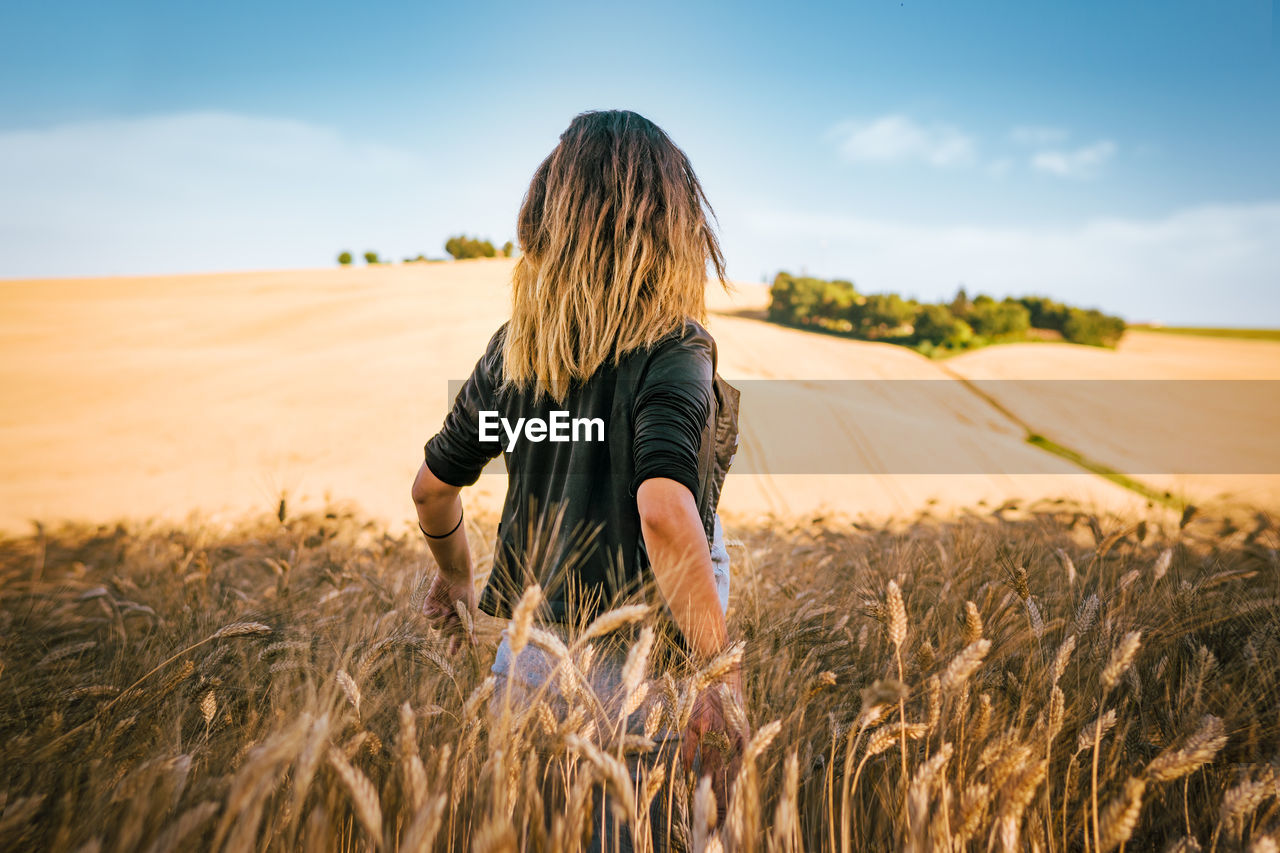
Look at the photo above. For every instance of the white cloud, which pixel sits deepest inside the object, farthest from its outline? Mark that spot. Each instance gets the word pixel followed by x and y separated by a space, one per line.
pixel 1034 134
pixel 900 138
pixel 1079 163
pixel 216 191
pixel 1206 264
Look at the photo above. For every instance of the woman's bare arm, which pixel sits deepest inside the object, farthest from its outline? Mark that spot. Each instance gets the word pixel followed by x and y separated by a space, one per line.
pixel 681 561
pixel 439 508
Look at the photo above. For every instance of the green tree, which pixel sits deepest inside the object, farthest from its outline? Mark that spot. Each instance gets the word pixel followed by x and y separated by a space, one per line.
pixel 344 258
pixel 508 249
pixel 936 325
pixel 371 258
pixel 1045 313
pixel 462 247
pixel 789 299
pixel 810 301
pixel 834 299
pixel 1092 327
pixel 1006 319
pixel 881 315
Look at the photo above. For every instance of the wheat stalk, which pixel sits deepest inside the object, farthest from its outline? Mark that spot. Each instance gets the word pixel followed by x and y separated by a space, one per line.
pixel 898 636
pixel 1087 613
pixel 522 618
pixel 922 785
pixel 363 795
pixel 1034 617
pixel 1062 658
pixel 897 614
pixel 414 774
pixel 612 620
pixel 1093 732
pixel 1161 566
pixel 634 670
pixel 66 651
pixel 1121 815
pixel 720 666
pixel 235 629
pixel 1198 750
pixel 172 837
pixel 1067 565
pixel 1117 665
pixel 239 629
pixel 421 834
pixel 886 736
pixel 1121 659
pixel 350 688
pixel 972 623
pixel 1243 799
pixel 704 815
pixel 208 707
pixel 612 771
pixel 964 664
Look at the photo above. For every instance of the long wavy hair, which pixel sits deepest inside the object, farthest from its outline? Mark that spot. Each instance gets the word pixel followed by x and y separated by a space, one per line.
pixel 615 241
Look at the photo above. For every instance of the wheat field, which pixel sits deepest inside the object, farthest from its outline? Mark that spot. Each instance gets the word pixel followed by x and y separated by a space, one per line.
pixel 1039 678
pixel 150 396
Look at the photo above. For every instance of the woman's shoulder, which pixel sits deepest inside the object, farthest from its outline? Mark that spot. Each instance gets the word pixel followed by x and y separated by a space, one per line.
pixel 496 339
pixel 692 336
pixel 490 362
pixel 493 349
pixel 689 351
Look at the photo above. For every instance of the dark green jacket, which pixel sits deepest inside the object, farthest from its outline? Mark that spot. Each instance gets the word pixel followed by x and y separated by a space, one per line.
pixel 570 520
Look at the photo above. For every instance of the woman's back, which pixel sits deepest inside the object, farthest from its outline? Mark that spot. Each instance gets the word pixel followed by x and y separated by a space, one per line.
pixel 570 521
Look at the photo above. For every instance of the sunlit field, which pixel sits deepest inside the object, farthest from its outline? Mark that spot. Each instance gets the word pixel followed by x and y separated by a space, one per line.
pixel 1244 334
pixel 988 293
pixel 1039 678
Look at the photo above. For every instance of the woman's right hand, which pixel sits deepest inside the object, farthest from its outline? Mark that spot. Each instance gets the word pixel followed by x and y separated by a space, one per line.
pixel 441 610
pixel 714 742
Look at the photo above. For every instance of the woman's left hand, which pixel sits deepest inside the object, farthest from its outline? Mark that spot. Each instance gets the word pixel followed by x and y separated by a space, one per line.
pixel 441 609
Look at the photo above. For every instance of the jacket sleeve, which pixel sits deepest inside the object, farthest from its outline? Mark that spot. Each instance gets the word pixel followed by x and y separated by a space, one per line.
pixel 671 409
pixel 456 454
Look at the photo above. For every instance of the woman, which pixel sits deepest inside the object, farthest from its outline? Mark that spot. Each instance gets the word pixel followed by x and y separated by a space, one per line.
pixel 601 392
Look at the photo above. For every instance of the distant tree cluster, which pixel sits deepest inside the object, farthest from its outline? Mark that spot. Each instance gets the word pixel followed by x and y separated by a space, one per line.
pixel 934 328
pixel 460 247
pixel 370 257
pixel 1080 325
pixel 463 247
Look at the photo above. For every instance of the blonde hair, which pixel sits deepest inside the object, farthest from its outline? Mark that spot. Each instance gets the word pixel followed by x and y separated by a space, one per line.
pixel 615 241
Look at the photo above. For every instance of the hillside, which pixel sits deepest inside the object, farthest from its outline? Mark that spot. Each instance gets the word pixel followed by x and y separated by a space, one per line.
pixel 153 397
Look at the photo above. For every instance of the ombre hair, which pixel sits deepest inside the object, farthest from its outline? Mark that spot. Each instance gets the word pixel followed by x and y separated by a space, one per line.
pixel 615 241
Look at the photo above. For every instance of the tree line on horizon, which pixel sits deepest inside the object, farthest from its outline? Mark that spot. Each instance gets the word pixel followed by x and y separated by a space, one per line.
pixel 937 328
pixel 460 247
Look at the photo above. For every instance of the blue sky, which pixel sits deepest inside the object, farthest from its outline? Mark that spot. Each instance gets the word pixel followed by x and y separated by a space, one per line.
pixel 1111 154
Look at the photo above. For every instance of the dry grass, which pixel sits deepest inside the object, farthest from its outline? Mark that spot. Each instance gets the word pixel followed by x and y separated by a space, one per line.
pixel 1049 681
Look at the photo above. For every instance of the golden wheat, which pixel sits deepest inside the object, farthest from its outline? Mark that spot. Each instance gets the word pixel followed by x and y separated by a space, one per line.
pixel 1019 653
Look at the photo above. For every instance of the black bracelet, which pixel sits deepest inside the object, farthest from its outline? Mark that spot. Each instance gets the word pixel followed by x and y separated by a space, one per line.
pixel 442 535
